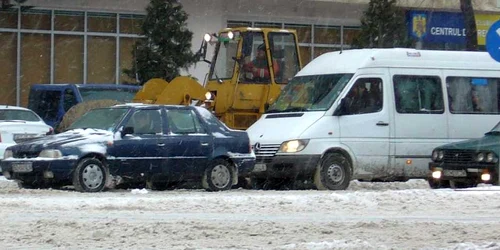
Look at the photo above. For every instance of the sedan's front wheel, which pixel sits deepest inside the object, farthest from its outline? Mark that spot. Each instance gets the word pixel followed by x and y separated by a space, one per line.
pixel 218 176
pixel 90 175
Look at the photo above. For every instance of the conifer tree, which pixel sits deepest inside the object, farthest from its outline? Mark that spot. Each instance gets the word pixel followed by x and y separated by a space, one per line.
pixel 383 25
pixel 166 47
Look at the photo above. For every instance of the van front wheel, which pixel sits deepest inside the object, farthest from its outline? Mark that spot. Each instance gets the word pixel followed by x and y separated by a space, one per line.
pixel 334 172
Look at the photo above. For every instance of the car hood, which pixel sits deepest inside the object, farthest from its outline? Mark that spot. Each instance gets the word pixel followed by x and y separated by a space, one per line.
pixel 488 142
pixel 79 138
pixel 275 128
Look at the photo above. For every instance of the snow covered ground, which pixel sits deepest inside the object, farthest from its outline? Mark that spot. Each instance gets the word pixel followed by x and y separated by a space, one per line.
pixel 405 215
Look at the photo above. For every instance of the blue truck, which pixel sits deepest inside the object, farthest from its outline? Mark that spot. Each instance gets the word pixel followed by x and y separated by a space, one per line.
pixel 52 101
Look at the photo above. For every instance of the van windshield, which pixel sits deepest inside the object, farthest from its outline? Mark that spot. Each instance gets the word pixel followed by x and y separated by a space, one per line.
pixel 310 93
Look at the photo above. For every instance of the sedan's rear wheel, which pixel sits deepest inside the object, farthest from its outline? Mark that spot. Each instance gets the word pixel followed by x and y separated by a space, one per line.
pixel 218 176
pixel 90 175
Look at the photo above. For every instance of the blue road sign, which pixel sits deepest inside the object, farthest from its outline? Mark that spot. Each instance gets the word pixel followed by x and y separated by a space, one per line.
pixel 493 41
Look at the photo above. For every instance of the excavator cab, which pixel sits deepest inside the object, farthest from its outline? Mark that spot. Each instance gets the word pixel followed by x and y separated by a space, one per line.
pixel 249 69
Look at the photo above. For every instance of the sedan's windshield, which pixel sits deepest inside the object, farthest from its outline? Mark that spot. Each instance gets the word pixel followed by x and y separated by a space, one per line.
pixel 106 119
pixel 310 93
pixel 18 115
pixel 495 130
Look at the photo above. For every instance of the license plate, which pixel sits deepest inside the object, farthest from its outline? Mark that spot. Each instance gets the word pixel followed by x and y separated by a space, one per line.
pixel 22 167
pixel 259 167
pixel 455 173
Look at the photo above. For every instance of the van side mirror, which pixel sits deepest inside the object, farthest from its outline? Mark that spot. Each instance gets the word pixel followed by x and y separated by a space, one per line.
pixel 343 108
pixel 127 131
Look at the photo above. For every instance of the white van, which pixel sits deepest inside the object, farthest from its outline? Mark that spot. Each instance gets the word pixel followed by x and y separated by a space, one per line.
pixel 374 115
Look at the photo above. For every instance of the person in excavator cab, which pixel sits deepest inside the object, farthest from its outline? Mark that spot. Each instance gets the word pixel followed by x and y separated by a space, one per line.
pixel 257 70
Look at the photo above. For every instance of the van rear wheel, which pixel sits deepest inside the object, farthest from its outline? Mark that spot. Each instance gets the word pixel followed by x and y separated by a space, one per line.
pixel 334 172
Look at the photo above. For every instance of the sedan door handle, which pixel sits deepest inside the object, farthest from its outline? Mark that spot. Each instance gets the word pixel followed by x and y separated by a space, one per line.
pixel 161 144
pixel 204 143
pixel 381 123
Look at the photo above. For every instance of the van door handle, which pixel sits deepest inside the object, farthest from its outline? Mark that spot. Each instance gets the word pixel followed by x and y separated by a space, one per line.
pixel 381 123
pixel 161 144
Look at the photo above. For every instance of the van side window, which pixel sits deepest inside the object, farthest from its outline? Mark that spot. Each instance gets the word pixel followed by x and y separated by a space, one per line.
pixel 69 99
pixel 45 103
pixel 418 94
pixel 365 96
pixel 468 95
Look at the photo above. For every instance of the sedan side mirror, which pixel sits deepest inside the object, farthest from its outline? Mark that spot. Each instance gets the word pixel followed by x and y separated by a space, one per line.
pixel 127 131
pixel 343 108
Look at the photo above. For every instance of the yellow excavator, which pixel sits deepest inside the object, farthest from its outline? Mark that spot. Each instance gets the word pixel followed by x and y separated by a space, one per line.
pixel 249 68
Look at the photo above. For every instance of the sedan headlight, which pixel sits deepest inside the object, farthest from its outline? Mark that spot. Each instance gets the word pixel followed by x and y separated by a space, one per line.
pixel 440 155
pixel 491 157
pixel 293 146
pixel 50 153
pixel 480 157
pixel 7 154
pixel 435 154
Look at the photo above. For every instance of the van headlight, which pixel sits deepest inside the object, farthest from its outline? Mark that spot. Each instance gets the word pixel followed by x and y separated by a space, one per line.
pixel 293 146
pixel 7 154
pixel 50 153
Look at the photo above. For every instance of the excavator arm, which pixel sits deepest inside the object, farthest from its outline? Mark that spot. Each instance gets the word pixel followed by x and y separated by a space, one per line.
pixel 182 90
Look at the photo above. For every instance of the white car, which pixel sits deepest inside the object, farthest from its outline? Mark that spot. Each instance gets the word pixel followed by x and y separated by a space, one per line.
pixel 19 124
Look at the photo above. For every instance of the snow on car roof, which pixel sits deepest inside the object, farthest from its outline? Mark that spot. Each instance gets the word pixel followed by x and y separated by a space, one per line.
pixel 13 107
pixel 145 105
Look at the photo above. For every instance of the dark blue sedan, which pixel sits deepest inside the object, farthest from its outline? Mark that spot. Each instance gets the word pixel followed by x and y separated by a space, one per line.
pixel 134 143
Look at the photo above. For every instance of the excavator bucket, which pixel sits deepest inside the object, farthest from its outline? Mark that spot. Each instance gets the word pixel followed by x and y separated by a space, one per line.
pixel 150 91
pixel 182 90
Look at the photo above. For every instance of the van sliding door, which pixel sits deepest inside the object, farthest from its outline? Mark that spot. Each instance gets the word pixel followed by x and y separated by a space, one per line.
pixel 419 117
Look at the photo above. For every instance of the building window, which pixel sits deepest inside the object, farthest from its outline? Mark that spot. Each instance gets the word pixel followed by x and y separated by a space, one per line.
pixel 56 48
pixel 8 18
pixel 69 20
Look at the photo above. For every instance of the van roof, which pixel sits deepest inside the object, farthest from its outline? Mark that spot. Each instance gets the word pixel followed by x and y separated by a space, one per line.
pixel 349 61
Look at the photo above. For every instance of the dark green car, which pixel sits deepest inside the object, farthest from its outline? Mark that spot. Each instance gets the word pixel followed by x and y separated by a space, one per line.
pixel 467 163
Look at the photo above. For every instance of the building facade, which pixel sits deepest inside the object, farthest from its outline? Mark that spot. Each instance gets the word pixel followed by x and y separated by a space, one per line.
pixel 91 41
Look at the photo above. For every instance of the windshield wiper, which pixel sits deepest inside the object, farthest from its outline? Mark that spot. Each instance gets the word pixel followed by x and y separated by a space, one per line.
pixel 295 109
pixel 273 111
pixel 493 133
pixel 291 109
